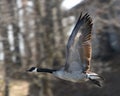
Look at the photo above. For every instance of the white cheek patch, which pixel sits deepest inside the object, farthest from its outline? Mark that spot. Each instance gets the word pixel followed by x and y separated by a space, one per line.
pixel 35 70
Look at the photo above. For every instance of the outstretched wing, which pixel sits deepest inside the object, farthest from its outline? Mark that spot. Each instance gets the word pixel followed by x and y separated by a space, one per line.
pixel 78 51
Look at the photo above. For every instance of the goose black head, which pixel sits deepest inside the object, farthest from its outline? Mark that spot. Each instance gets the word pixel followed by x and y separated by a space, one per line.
pixel 32 69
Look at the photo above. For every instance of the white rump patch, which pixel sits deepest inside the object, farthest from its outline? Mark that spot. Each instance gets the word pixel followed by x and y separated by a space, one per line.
pixel 93 76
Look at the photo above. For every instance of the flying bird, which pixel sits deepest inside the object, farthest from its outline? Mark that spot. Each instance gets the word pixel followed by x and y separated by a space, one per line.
pixel 78 55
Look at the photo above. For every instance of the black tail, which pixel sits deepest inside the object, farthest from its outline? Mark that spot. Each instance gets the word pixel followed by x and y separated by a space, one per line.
pixel 34 69
pixel 96 82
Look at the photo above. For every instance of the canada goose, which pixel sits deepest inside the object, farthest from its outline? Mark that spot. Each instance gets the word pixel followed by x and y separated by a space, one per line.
pixel 78 55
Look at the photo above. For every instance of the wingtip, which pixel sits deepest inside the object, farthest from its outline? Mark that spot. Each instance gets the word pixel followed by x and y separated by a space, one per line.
pixel 86 16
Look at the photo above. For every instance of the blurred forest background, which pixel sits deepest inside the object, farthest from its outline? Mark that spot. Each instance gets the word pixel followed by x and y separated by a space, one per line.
pixel 35 32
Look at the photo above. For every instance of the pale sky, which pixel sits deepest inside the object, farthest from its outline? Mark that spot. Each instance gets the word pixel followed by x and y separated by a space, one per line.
pixel 68 4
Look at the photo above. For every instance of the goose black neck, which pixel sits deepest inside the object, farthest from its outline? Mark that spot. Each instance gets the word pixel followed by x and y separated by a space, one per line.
pixel 46 70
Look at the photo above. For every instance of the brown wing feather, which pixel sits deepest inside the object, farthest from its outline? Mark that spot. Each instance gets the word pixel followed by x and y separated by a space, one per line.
pixel 87 56
pixel 78 48
pixel 86 44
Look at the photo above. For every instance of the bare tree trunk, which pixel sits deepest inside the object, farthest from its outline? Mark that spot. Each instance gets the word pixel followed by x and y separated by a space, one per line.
pixel 26 33
pixel 16 45
pixel 38 33
pixel 7 60
pixel 5 17
pixel 16 32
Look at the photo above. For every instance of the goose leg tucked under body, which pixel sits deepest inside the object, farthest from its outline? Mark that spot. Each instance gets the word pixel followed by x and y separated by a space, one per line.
pixel 78 55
